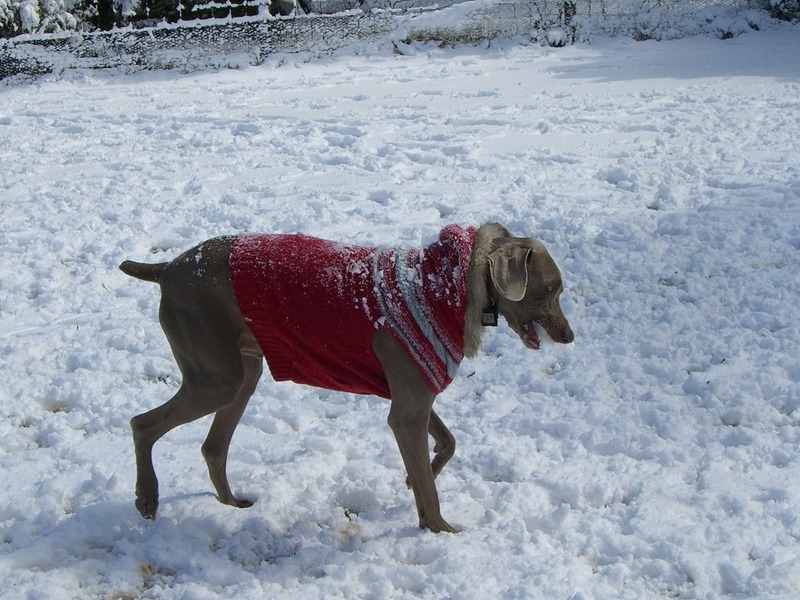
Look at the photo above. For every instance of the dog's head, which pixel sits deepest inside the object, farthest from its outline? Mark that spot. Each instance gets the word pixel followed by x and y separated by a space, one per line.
pixel 528 285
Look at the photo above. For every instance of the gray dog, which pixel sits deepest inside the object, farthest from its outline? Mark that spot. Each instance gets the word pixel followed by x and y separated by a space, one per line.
pixel 393 322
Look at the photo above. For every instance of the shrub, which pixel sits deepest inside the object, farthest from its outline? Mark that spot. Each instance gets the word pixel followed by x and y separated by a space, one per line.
pixel 787 10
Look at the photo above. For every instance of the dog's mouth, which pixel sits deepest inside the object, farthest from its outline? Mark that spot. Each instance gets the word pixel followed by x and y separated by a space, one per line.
pixel 529 336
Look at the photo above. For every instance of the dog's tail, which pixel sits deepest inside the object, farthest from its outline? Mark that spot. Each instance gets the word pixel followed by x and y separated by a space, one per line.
pixel 143 271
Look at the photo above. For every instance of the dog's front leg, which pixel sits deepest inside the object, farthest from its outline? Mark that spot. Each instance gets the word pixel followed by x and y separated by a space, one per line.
pixel 411 432
pixel 409 417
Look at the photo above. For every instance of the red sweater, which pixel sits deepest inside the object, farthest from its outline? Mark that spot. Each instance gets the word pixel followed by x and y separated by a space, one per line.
pixel 314 305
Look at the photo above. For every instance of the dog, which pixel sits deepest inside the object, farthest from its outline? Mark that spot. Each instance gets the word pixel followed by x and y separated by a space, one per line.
pixel 393 322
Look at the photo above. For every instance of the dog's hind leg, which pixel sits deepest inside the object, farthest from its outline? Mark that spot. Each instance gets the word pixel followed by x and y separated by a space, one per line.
pixel 188 404
pixel 215 448
pixel 147 429
pixel 208 355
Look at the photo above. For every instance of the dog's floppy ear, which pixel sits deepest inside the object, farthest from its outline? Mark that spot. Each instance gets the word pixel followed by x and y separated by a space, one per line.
pixel 508 269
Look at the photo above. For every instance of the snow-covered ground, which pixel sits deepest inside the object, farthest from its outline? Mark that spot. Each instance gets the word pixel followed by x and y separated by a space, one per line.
pixel 657 456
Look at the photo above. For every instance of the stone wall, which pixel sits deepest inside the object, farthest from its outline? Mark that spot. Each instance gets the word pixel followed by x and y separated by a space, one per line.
pixel 190 46
pixel 193 45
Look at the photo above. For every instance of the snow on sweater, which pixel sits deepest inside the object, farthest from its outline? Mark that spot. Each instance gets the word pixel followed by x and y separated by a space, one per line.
pixel 314 306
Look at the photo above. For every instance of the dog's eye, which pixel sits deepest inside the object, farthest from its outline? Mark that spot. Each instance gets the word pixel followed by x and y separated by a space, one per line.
pixel 551 288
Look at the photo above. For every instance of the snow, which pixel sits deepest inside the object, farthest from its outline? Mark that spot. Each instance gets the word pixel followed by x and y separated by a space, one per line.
pixel 657 456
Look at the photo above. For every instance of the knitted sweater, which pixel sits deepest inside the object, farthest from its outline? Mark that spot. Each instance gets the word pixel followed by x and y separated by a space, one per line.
pixel 314 306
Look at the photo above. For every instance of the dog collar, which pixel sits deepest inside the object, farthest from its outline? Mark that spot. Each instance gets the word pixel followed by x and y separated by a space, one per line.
pixel 489 312
pixel 489 315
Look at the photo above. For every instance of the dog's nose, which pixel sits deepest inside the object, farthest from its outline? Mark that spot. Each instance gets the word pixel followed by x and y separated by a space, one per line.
pixel 569 337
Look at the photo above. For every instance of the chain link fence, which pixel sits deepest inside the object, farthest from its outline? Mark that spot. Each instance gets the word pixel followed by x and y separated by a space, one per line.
pixel 565 21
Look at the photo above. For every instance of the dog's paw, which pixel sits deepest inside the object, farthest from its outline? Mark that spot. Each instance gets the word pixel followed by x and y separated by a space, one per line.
pixel 437 525
pixel 147 507
pixel 238 502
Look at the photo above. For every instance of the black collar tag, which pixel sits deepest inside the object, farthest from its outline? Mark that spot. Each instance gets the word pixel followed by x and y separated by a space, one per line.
pixel 489 316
